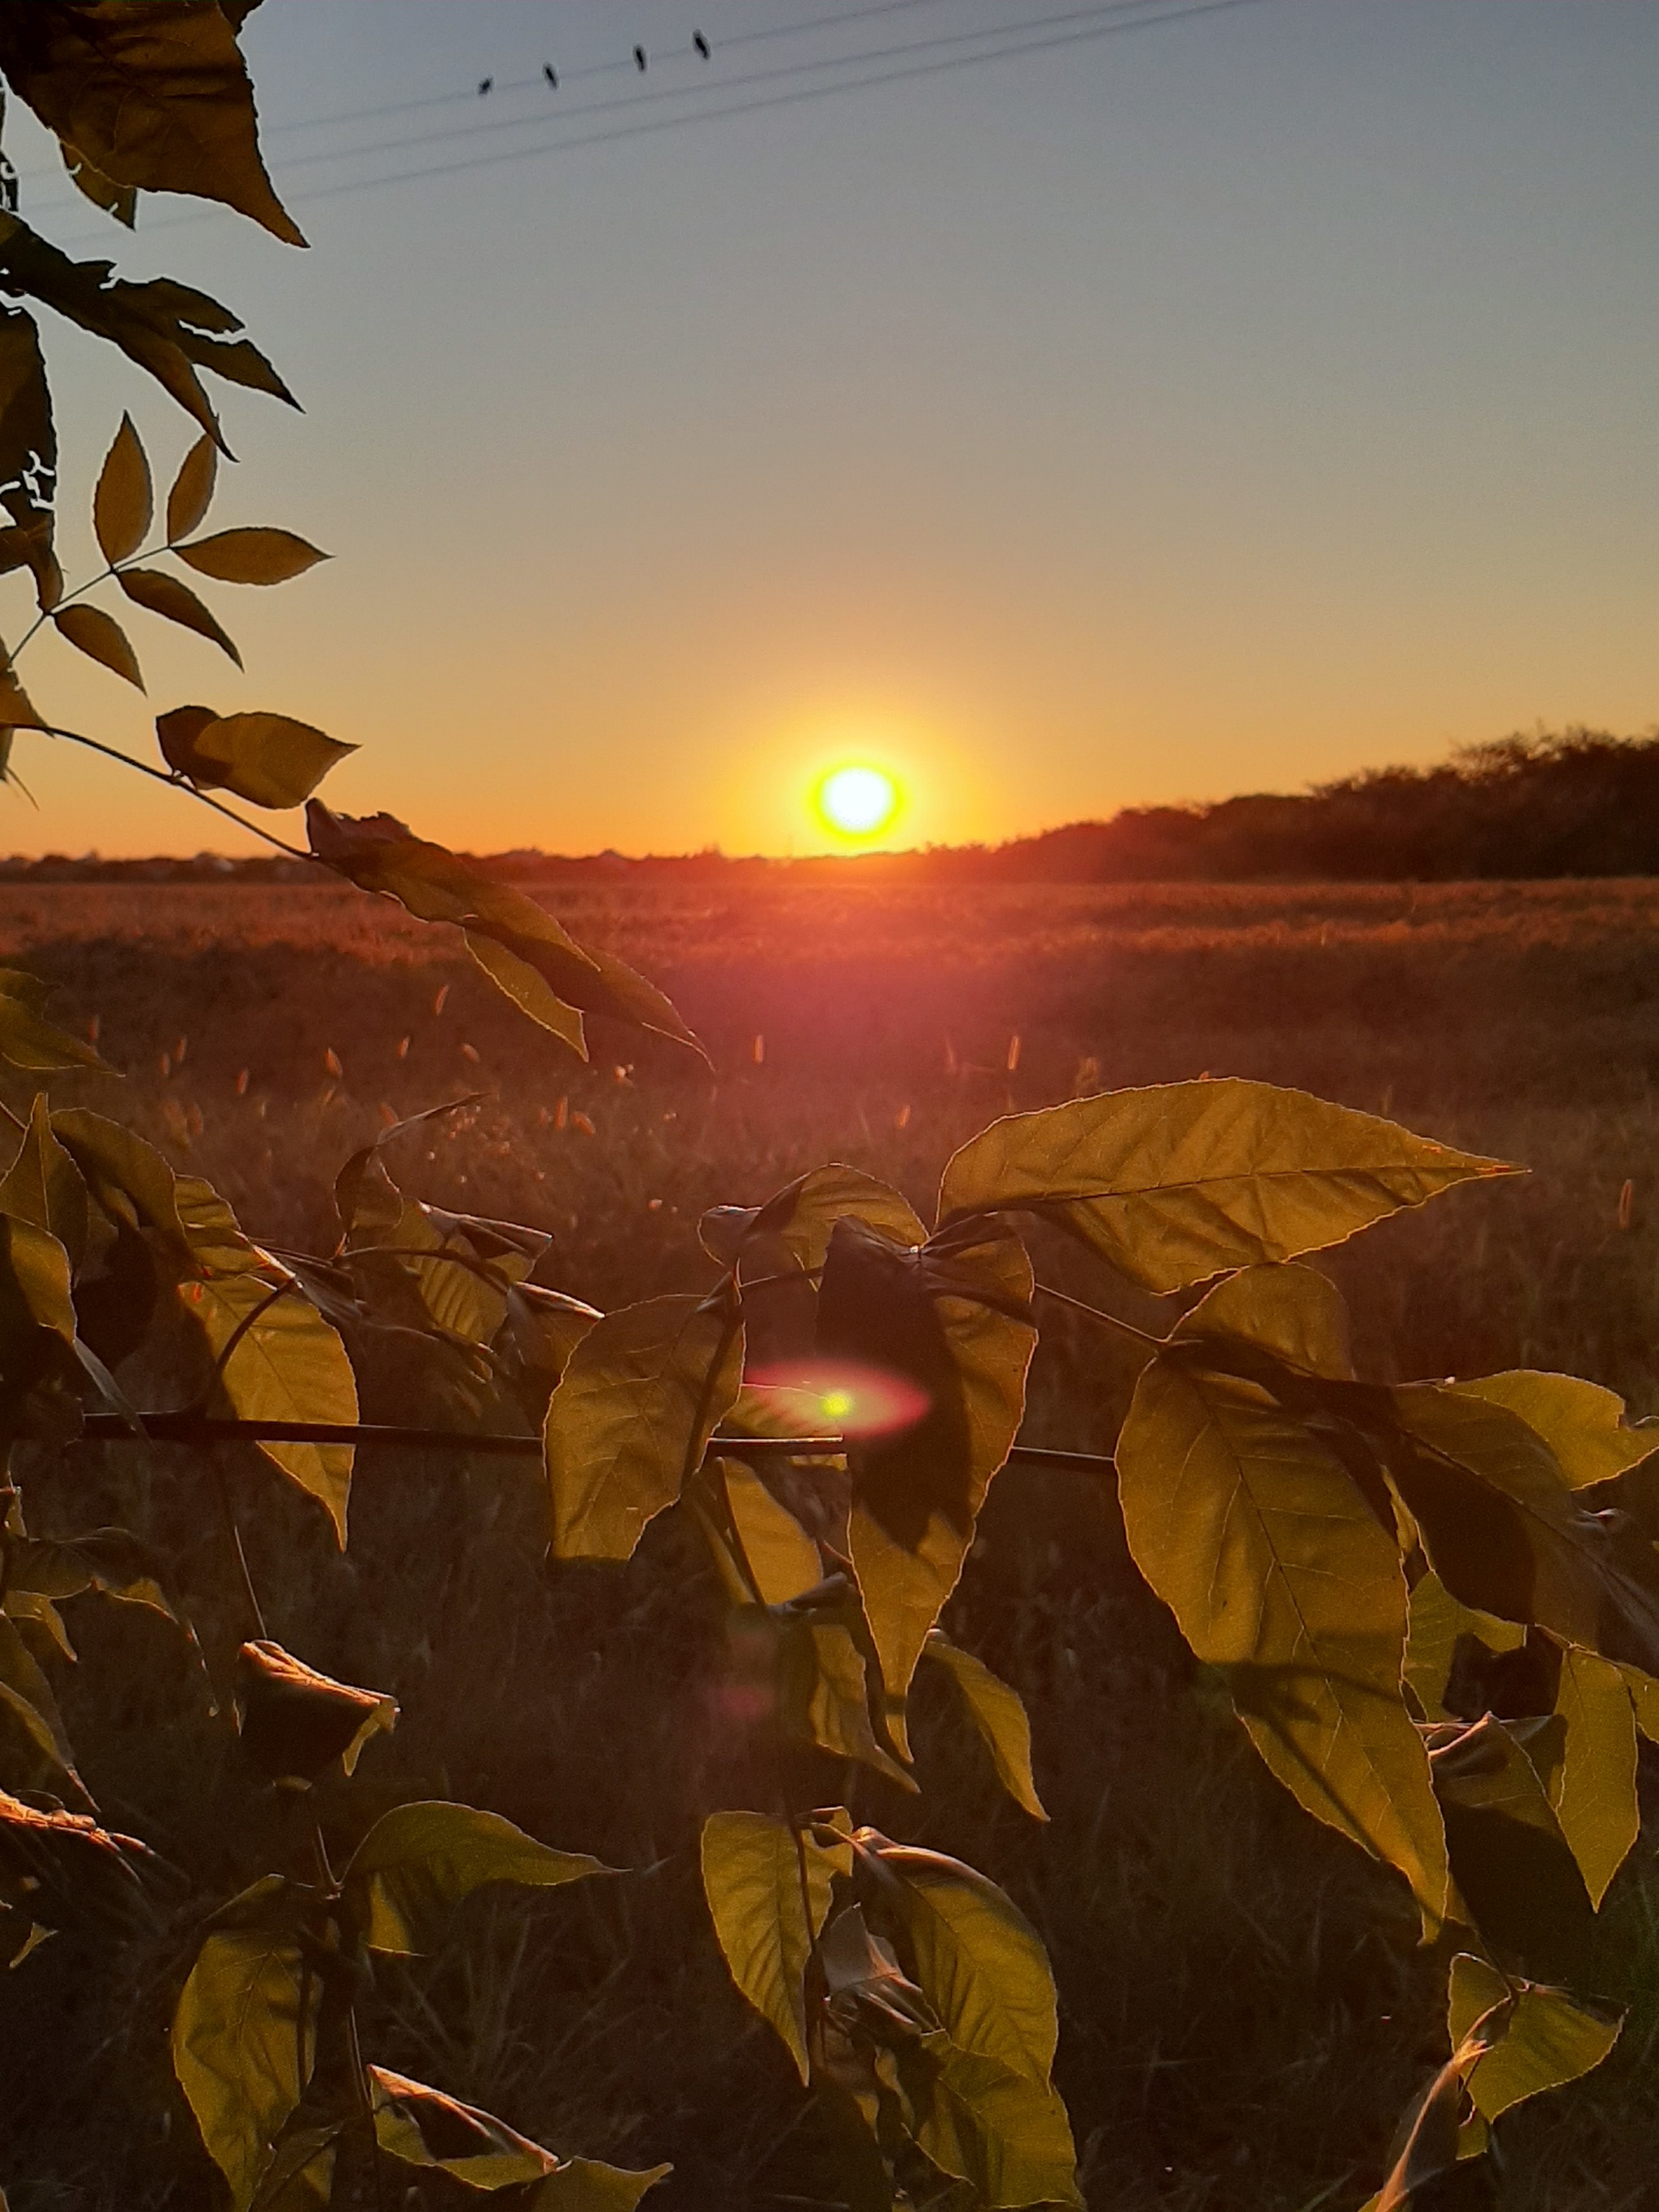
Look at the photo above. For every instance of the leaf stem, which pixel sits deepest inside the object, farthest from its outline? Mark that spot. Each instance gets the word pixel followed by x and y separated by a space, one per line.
pixel 174 783
pixel 248 1591
pixel 1099 1313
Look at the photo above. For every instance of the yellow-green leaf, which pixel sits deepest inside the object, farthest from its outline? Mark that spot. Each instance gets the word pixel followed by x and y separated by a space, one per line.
pixel 44 1186
pixel 1505 1533
pixel 997 1712
pixel 1177 1184
pixel 949 1322
pixel 269 759
pixel 782 1558
pixel 754 1871
pixel 1549 2036
pixel 287 1364
pixel 101 638
pixel 1004 2134
pixel 379 854
pixel 251 556
pixel 1516 1877
pixel 420 1860
pixel 164 595
pixel 1583 1424
pixel 192 489
pixel 125 501
pixel 824 1694
pixel 1293 1312
pixel 27 1040
pixel 237 2034
pixel 795 1226
pixel 631 1419
pixel 1276 1569
pixel 1438 1620
pixel 1593 1791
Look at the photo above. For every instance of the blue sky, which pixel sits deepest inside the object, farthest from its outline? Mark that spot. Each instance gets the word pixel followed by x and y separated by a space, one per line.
pixel 1225 403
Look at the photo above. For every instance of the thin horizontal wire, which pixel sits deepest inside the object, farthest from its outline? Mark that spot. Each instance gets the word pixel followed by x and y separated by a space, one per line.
pixel 798 97
pixel 200 1429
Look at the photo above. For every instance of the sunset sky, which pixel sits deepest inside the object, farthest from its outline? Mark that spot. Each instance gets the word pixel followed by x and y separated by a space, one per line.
pixel 1224 402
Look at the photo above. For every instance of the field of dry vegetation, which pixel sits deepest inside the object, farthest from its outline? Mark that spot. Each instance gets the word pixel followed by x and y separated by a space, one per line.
pixel 1236 2029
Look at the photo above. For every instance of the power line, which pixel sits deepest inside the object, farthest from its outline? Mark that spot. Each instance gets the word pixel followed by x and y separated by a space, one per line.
pixel 1013 48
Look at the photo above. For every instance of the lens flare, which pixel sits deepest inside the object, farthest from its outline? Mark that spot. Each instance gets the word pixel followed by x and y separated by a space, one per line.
pixel 839 1398
pixel 857 800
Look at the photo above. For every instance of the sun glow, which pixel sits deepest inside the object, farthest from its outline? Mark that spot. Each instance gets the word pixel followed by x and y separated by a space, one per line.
pixel 857 800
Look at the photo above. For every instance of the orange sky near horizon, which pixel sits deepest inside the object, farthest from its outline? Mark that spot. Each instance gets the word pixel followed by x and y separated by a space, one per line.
pixel 1229 406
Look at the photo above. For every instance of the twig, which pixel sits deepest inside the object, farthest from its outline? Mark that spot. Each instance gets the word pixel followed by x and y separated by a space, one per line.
pixel 248 1590
pixel 174 783
pixel 1099 1313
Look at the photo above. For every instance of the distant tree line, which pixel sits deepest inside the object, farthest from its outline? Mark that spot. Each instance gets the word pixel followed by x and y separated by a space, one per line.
pixel 1572 802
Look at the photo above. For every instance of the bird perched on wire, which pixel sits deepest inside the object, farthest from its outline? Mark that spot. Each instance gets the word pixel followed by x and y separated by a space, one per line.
pixel 639 59
pixel 701 43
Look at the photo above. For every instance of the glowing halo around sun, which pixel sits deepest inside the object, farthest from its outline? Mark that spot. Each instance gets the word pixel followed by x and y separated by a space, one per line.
pixel 856 800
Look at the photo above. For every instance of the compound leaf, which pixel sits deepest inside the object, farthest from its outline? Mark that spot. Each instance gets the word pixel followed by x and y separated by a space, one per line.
pixel 420 1860
pixel 1178 1183
pixel 631 1419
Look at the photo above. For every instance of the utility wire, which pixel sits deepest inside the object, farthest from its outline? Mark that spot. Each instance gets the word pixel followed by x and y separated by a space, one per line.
pixel 1118 21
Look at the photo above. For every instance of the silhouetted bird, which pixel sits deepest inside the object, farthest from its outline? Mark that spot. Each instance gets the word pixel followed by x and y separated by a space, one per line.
pixel 485 84
pixel 639 59
pixel 701 43
pixel 551 74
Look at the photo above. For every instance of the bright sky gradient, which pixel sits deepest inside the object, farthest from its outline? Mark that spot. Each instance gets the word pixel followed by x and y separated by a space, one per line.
pixel 1220 405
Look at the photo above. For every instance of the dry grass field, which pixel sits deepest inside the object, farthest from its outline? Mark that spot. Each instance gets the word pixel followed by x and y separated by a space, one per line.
pixel 1244 2013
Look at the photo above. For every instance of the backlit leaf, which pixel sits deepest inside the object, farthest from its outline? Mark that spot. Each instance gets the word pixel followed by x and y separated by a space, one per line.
pixel 1001 2132
pixel 1514 1868
pixel 1505 1533
pixel 169 329
pixel 631 1419
pixel 1582 1424
pixel 999 1714
pixel 27 1040
pixel 418 1861
pixel 192 491
pixel 296 1722
pixel 237 2030
pixel 1293 1312
pixel 251 556
pixel 101 638
pixel 421 2128
pixel 754 1873
pixel 379 854
pixel 1594 1791
pixel 824 1692
pixel 1550 2038
pixel 157 97
pixel 288 1365
pixel 124 502
pixel 269 759
pixel 1437 1621
pixel 161 594
pixel 36 1747
pixel 798 1223
pixel 1176 1184
pixel 1275 1568
pixel 1426 2145
pixel 128 1178
pixel 44 1186
pixel 782 1558
pixel 72 1871
pixel 949 1320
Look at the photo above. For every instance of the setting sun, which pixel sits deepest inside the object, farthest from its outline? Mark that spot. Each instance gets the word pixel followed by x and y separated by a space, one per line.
pixel 857 801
